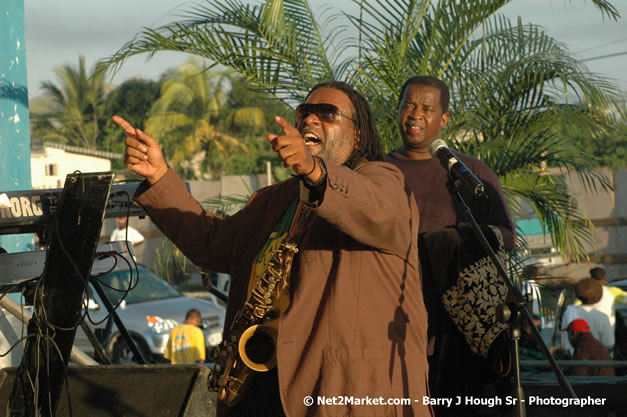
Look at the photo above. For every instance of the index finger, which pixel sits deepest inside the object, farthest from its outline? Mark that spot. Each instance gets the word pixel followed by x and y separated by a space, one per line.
pixel 288 129
pixel 130 130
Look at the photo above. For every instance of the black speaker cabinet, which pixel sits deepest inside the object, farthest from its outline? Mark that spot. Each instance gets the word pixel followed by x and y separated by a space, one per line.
pixel 129 391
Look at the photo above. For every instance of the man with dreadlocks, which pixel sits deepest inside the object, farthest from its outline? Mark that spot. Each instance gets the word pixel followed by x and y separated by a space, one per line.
pixel 352 327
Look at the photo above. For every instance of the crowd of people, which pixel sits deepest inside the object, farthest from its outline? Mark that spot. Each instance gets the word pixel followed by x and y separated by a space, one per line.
pixel 388 294
pixel 590 324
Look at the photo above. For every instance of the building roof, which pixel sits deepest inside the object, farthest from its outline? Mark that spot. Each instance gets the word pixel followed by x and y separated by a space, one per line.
pixel 77 149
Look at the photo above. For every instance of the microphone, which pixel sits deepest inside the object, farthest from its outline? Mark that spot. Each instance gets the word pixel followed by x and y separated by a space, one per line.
pixel 456 167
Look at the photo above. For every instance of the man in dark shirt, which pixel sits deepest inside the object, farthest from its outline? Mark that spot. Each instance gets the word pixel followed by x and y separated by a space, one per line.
pixel 587 348
pixel 422 113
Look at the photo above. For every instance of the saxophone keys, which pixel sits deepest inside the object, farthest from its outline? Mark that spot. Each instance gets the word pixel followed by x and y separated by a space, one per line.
pixel 222 394
pixel 272 314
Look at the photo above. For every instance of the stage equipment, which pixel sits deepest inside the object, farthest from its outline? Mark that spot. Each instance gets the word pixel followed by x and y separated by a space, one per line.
pixel 453 165
pixel 74 231
pixel 30 211
pixel 129 391
pixel 520 311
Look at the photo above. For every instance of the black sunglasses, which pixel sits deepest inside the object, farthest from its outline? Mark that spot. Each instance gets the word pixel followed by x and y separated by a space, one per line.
pixel 324 111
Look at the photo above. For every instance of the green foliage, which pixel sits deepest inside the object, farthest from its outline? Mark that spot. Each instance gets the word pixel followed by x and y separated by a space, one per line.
pixel 242 97
pixel 171 264
pixel 246 114
pixel 608 148
pixel 76 113
pixel 224 205
pixel 131 100
pixel 79 113
pixel 184 119
pixel 512 84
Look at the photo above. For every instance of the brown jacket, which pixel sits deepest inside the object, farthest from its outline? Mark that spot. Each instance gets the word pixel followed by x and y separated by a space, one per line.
pixel 589 348
pixel 356 325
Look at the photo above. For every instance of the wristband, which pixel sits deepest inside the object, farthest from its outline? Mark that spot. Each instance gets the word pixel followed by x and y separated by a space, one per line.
pixel 323 175
pixel 312 169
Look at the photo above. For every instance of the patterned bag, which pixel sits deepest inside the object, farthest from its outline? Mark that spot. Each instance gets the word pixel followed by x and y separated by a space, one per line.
pixel 471 302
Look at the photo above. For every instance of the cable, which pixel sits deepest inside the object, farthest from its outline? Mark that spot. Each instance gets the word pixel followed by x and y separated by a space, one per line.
pixel 124 291
pixel 602 45
pixel 594 58
pixel 43 330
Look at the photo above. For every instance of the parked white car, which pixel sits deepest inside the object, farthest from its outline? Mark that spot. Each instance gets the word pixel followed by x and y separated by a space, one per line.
pixel 150 309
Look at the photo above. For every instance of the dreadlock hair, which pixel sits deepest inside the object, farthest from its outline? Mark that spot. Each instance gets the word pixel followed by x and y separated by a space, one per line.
pixel 368 146
pixel 430 81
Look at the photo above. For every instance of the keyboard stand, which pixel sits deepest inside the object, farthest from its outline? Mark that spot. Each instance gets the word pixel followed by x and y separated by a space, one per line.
pixel 74 232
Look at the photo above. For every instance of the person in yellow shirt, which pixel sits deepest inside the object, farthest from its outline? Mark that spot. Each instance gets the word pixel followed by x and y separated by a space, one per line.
pixel 619 296
pixel 187 342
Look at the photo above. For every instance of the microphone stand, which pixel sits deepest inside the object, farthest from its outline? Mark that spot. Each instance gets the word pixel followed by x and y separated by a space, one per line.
pixel 522 309
pixel 510 314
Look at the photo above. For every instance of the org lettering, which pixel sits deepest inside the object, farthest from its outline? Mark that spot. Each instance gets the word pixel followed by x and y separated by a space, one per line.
pixel 22 207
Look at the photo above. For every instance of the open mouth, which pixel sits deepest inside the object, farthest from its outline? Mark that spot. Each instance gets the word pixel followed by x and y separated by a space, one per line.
pixel 311 139
pixel 414 128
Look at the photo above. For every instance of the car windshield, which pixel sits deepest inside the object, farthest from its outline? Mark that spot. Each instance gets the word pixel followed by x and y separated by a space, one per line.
pixel 149 287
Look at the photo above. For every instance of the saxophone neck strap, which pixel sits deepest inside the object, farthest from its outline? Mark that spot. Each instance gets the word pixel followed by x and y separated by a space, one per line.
pixel 297 228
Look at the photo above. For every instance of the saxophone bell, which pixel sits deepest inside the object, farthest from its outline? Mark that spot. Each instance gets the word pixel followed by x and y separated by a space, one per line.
pixel 251 345
pixel 257 347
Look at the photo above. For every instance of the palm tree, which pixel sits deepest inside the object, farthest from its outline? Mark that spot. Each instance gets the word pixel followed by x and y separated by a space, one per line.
pixel 510 81
pixel 510 86
pixel 76 112
pixel 182 118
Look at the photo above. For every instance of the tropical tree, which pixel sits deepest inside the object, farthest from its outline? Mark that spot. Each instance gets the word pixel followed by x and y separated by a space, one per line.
pixel 75 114
pixel 182 117
pixel 248 115
pixel 132 100
pixel 610 148
pixel 512 83
pixel 251 110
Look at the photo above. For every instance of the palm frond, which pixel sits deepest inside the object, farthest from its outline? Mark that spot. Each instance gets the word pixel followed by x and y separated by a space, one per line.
pixel 225 204
pixel 514 86
pixel 552 202
pixel 286 62
pixel 607 9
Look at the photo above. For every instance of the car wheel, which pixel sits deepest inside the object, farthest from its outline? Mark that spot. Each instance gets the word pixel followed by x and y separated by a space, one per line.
pixel 123 355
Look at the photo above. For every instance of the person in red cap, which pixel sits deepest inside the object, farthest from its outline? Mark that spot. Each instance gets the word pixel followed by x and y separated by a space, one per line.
pixel 587 348
pixel 589 292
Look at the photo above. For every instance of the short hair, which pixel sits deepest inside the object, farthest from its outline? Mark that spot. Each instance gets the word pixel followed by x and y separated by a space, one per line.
pixel 597 273
pixel 428 80
pixel 589 291
pixel 369 145
pixel 194 313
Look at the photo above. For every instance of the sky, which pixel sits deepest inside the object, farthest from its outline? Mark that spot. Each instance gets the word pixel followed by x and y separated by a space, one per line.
pixel 57 33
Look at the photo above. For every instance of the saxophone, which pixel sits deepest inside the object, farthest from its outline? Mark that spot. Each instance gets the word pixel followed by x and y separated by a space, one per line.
pixel 251 345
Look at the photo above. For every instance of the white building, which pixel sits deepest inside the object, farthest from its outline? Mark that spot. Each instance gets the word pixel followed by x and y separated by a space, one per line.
pixel 51 162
